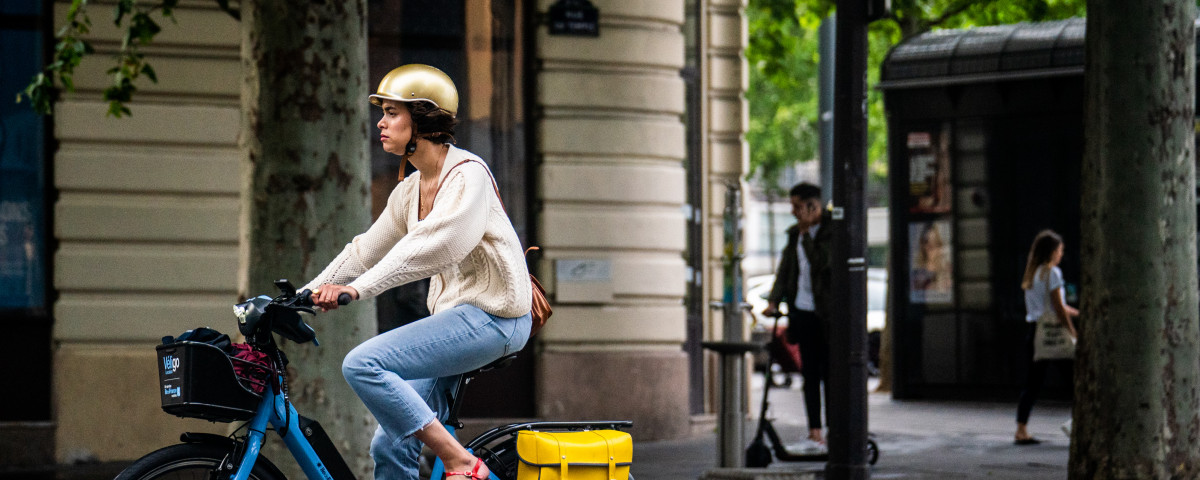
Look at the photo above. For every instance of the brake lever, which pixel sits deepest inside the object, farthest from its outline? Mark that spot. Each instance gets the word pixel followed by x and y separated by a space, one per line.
pixel 303 302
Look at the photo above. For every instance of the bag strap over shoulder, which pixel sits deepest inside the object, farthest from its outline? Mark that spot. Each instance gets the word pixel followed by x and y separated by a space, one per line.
pixel 489 172
pixel 495 187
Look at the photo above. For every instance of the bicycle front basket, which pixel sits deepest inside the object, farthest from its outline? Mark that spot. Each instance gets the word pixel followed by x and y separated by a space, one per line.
pixel 197 380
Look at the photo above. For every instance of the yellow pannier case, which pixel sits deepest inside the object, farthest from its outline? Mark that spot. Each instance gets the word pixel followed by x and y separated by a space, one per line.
pixel 588 455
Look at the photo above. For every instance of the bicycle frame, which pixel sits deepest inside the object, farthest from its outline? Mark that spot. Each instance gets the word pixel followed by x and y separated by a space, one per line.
pixel 280 414
pixel 299 434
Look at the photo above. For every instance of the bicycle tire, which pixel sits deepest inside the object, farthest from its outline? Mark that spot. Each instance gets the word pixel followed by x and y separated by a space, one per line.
pixel 501 459
pixel 188 461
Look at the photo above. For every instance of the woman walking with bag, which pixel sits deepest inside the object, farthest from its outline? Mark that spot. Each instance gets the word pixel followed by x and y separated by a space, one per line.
pixel 1047 315
pixel 445 221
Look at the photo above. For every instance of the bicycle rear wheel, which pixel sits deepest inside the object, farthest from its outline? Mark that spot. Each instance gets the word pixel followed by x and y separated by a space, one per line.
pixel 191 461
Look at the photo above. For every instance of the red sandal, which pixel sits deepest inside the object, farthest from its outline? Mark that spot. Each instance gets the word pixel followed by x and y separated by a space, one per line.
pixel 474 473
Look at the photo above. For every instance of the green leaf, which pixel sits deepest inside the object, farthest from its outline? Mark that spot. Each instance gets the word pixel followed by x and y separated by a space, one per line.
pixel 143 28
pixel 81 48
pixel 149 72
pixel 117 109
pixel 124 7
pixel 40 92
pixel 168 8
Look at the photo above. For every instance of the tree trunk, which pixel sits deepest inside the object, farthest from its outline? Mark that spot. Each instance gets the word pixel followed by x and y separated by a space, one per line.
pixel 1136 409
pixel 306 169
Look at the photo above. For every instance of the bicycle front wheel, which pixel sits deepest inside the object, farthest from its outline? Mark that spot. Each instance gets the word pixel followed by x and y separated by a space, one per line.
pixel 191 461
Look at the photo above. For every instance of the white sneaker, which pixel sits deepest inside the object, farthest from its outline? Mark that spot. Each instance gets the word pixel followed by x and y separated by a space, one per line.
pixel 1066 427
pixel 807 446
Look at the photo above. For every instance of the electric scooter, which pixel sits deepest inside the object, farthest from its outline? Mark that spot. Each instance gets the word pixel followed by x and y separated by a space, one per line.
pixel 758 454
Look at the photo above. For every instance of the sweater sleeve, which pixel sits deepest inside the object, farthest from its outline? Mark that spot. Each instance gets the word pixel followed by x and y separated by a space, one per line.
pixel 455 226
pixel 367 248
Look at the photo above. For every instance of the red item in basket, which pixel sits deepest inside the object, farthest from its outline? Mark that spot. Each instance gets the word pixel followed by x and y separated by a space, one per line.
pixel 253 368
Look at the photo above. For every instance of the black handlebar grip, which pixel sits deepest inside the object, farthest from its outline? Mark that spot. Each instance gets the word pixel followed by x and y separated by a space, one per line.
pixel 345 299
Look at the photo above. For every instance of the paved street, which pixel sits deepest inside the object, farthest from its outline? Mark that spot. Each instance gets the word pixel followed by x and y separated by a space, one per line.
pixel 917 440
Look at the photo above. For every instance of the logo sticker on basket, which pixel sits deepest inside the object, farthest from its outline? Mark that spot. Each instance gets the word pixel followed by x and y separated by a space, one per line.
pixel 172 391
pixel 170 364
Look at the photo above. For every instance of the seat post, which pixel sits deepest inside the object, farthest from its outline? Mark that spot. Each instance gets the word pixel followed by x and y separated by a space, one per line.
pixel 454 399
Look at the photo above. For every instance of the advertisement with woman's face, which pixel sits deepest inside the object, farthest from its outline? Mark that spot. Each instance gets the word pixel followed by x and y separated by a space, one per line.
pixel 930 265
pixel 929 170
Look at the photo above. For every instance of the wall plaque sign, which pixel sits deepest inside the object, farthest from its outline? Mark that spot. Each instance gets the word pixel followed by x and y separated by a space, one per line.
pixel 574 17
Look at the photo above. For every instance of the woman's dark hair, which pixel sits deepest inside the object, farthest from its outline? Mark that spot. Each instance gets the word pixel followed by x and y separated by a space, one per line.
pixel 431 122
pixel 1040 252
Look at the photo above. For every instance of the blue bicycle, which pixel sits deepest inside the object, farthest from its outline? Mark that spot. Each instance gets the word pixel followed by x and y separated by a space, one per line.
pixel 203 376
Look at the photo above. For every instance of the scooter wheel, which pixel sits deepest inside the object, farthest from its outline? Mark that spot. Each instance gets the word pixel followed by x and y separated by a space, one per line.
pixel 758 455
pixel 872 452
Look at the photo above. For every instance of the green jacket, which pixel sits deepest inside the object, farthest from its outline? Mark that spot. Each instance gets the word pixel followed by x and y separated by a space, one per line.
pixel 820 255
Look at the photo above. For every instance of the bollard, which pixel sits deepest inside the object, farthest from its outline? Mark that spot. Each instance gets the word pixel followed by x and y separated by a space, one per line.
pixel 731 414
pixel 733 349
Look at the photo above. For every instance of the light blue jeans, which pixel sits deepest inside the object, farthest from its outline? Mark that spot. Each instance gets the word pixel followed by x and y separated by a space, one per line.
pixel 404 376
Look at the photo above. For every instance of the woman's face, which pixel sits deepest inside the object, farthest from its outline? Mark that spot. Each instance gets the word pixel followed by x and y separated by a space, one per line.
pixel 1056 256
pixel 395 127
pixel 931 241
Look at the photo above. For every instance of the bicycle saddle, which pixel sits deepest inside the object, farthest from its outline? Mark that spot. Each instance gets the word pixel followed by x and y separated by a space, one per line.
pixel 495 365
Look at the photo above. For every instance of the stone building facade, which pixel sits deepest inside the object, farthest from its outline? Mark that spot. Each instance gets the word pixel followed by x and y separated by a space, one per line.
pixel 628 138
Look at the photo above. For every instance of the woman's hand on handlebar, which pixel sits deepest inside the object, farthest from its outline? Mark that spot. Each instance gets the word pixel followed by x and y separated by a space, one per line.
pixel 327 295
pixel 772 310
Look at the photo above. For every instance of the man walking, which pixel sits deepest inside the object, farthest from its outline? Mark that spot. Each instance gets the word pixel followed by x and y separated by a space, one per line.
pixel 803 281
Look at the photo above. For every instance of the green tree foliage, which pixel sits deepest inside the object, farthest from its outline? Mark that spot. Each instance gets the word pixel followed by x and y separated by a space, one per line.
pixel 137 23
pixel 783 98
pixel 783 58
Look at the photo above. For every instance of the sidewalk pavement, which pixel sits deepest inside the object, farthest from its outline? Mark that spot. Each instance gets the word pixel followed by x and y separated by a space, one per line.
pixel 917 440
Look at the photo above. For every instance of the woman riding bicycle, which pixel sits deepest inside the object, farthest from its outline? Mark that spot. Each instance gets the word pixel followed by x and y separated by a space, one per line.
pixel 446 222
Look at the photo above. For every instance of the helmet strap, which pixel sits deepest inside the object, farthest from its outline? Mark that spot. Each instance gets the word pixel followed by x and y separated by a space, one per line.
pixel 409 150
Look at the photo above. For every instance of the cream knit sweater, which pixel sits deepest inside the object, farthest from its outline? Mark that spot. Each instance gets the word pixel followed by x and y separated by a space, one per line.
pixel 466 244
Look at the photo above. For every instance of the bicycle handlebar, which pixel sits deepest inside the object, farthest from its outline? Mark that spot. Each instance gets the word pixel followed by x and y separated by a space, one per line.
pixel 345 299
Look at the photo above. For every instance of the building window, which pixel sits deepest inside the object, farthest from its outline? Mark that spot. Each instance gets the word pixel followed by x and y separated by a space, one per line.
pixel 22 162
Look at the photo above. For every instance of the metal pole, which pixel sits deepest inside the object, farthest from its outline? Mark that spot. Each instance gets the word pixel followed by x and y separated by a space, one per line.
pixel 847 329
pixel 732 364
pixel 825 103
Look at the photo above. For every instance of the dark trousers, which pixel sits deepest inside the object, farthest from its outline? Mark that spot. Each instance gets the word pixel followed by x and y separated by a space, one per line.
pixel 806 330
pixel 1035 378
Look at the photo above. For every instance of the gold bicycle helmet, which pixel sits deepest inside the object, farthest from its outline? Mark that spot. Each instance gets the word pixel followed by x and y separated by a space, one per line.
pixel 415 82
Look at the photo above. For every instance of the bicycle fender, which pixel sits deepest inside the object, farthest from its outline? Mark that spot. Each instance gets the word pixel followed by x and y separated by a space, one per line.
pixel 196 437
pixel 214 439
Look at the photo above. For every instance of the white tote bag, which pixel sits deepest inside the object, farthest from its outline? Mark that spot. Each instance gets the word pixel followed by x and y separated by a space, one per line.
pixel 1052 340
